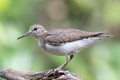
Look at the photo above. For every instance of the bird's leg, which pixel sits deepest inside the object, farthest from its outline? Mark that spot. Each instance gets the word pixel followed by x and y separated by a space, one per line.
pixel 68 59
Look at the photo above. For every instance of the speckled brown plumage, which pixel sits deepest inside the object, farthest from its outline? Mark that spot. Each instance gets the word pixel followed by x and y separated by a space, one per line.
pixel 59 36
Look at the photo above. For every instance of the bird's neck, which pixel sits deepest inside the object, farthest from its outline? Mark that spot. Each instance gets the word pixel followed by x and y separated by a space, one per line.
pixel 41 40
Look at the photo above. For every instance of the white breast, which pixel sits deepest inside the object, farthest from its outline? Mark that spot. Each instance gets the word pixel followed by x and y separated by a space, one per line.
pixel 70 47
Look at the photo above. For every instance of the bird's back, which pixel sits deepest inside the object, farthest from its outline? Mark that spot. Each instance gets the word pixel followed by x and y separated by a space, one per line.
pixel 60 36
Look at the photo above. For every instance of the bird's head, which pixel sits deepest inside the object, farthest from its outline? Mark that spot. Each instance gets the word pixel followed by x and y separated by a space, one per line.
pixel 35 30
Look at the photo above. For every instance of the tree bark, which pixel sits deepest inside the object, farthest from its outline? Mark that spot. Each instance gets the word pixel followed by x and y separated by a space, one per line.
pixel 51 74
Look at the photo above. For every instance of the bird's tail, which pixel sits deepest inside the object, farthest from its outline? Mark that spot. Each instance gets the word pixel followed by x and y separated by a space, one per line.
pixel 105 35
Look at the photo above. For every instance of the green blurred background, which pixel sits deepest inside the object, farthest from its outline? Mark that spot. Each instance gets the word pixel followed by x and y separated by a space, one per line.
pixel 98 62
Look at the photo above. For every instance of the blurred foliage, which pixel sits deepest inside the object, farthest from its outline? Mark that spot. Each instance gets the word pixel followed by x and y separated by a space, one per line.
pixel 99 62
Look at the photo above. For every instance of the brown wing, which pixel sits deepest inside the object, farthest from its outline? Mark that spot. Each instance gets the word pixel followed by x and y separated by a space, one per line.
pixel 57 37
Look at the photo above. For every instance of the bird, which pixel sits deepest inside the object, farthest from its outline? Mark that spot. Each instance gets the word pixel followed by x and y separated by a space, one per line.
pixel 63 42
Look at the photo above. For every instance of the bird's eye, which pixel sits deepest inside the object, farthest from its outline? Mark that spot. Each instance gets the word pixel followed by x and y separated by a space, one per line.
pixel 35 29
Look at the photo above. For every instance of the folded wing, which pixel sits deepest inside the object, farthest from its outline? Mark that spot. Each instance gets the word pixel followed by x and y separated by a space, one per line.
pixel 61 36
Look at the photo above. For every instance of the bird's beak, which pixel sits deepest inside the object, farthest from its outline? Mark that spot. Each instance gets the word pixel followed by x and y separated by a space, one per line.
pixel 24 35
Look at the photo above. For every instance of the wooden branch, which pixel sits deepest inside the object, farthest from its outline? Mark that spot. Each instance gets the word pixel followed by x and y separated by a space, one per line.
pixel 52 74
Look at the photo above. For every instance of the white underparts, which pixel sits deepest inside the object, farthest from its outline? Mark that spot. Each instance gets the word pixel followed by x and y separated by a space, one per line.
pixel 70 47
